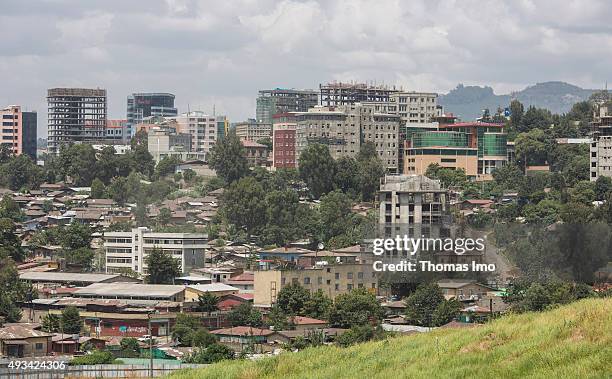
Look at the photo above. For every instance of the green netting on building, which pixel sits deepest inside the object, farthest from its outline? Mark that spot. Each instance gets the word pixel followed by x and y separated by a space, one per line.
pixel 493 144
pixel 450 139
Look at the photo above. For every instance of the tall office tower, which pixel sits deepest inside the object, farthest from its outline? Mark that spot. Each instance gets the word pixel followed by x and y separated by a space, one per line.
pixel 274 101
pixel 333 94
pixel 141 105
pixel 344 128
pixel 18 130
pixel 75 115
pixel 201 127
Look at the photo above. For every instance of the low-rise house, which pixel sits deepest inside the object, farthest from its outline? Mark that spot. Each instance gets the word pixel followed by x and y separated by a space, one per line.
pixel 310 259
pixel 229 302
pixel 463 290
pixel 132 291
pixel 238 336
pixel 302 323
pixel 192 292
pixel 24 340
pixel 287 254
pixel 54 278
pixel 244 281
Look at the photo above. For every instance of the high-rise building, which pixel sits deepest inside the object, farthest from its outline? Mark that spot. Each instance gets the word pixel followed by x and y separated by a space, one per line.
pixel 274 101
pixel 223 126
pixel 129 250
pixel 201 127
pixel 333 94
pixel 476 147
pixel 251 130
pixel 142 105
pixel 18 130
pixel 601 146
pixel 344 128
pixel 75 115
pixel 413 205
pixel 283 140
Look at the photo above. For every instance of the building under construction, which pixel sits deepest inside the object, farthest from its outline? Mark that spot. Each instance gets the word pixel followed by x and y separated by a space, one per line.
pixel 338 93
pixel 75 115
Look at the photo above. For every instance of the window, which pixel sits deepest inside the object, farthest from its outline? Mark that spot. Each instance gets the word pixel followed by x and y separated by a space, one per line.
pixel 337 287
pixel 349 287
pixel 360 275
pixel 306 280
pixel 39 346
pixel 349 275
pixel 337 276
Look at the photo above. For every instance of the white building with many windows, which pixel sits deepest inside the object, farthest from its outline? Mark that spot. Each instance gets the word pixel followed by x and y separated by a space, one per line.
pixel 128 250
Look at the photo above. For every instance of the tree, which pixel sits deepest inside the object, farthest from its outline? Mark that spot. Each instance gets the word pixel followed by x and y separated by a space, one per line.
pixel 359 334
pixel 71 322
pixel 243 204
pixel 370 172
pixel 141 160
pixel 10 209
pixel 164 217
pixel 83 257
pixel 447 176
pixel 12 290
pixel 82 166
pixel 282 219
pixel 335 211
pixel 97 357
pixel 318 306
pixel 347 177
pixel 583 192
pixel 10 244
pixel 130 347
pixel 516 114
pixel 245 315
pixel 51 323
pixel 207 302
pixel 422 303
pixel 21 172
pixel 167 166
pixel 118 190
pixel 603 187
pixel 228 159
pixel 292 298
pixel 189 175
pixel 106 165
pixel 358 307
pixel 446 312
pixel 532 148
pixel 367 151
pixel 267 142
pixel 162 267
pixel 76 236
pixel 97 189
pixel 211 354
pixel 202 338
pixel 317 169
pixel 184 328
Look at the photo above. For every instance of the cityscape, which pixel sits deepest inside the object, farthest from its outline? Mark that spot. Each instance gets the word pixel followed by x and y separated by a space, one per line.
pixel 349 227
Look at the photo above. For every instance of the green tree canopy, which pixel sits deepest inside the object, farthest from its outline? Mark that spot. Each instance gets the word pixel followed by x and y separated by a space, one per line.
pixel 228 158
pixel 162 268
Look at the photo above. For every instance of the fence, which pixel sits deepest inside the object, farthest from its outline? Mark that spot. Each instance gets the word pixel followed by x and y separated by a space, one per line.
pixel 95 371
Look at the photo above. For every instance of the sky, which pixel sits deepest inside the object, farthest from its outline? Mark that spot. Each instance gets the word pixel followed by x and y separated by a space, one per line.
pixel 219 53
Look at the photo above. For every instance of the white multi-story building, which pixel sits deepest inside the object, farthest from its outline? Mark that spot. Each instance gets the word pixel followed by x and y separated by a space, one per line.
pixel 201 127
pixel 128 250
pixel 601 146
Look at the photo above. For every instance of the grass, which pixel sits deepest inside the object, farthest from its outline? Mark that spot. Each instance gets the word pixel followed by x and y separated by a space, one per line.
pixel 573 341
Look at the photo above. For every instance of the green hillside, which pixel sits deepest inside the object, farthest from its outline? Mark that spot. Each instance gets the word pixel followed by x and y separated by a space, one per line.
pixel 574 341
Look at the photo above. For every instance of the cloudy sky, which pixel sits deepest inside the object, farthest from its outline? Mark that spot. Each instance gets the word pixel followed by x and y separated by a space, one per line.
pixel 222 51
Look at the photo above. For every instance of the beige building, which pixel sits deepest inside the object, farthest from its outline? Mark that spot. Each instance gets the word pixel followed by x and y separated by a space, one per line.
pixel 251 130
pixel 332 279
pixel 343 128
pixel 201 127
pixel 167 142
pixel 23 340
pixel 601 147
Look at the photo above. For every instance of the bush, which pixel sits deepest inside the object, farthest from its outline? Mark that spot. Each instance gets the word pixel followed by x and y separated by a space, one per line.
pixel 211 354
pixel 97 357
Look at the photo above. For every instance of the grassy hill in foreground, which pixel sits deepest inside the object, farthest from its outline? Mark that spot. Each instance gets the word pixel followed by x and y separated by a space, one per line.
pixel 573 341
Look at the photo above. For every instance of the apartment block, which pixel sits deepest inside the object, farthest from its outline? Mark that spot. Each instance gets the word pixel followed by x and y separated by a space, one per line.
pixel 18 130
pixel 332 279
pixel 343 129
pixel 165 142
pixel 203 129
pixel 275 101
pixel 251 130
pixel 129 250
pixel 283 140
pixel 75 115
pixel 476 147
pixel 412 205
pixel 146 104
pixel 338 93
pixel 601 146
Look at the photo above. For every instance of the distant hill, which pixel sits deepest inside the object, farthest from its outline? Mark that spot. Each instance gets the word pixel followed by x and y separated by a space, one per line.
pixel 572 341
pixel 468 101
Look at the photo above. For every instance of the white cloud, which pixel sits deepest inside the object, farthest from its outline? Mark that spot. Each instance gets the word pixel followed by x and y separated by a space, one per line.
pixel 222 52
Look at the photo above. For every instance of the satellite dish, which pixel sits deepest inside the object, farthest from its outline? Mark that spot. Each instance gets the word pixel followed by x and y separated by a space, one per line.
pixel 320 246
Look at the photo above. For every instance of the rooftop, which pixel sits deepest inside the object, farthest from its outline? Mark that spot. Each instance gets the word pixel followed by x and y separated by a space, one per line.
pixel 122 290
pixel 67 277
pixel 213 287
pixel 243 331
pixel 18 332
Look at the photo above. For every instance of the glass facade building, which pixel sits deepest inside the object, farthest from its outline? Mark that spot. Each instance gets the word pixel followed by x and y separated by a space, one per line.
pixel 142 105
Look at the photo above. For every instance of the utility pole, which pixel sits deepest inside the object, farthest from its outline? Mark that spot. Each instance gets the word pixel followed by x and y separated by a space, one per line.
pixel 150 347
